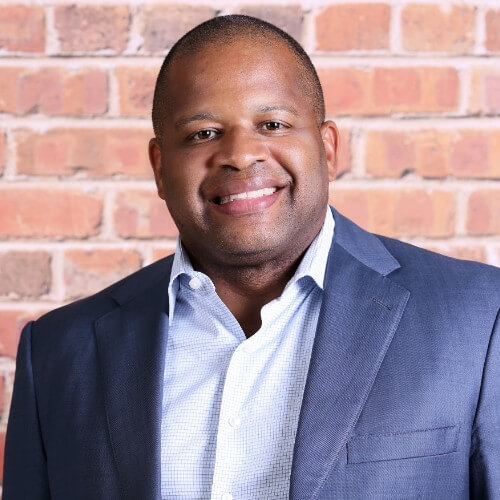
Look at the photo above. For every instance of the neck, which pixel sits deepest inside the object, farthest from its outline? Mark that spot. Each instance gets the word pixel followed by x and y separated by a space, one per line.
pixel 246 289
pixel 267 278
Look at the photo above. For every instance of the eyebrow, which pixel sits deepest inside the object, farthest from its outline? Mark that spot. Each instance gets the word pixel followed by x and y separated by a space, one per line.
pixel 279 107
pixel 181 122
pixel 192 118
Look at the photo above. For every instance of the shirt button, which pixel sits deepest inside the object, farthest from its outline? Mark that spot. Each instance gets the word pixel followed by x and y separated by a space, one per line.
pixel 235 422
pixel 194 283
pixel 227 496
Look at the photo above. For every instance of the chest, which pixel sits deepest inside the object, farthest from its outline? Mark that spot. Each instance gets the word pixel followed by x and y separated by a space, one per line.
pixel 230 403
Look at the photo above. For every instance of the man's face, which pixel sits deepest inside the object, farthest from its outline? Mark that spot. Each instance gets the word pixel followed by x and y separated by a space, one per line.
pixel 242 163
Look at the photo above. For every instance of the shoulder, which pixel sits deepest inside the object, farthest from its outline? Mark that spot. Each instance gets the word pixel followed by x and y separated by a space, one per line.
pixel 443 290
pixel 443 278
pixel 82 313
pixel 416 260
pixel 412 267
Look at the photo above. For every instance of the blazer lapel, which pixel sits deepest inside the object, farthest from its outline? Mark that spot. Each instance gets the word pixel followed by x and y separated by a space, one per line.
pixel 360 312
pixel 131 347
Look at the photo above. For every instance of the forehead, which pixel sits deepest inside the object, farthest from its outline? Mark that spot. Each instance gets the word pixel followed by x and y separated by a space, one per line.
pixel 235 72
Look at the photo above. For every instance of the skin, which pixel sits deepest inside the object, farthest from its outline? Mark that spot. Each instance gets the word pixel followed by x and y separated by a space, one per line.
pixel 249 256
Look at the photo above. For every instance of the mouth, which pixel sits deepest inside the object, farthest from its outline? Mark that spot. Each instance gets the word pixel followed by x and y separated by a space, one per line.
pixel 244 199
pixel 246 195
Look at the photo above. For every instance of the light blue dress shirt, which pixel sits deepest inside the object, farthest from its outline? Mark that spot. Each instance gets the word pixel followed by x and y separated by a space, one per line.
pixel 231 404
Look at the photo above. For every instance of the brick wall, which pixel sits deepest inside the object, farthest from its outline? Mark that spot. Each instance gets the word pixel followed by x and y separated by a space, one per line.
pixel 414 88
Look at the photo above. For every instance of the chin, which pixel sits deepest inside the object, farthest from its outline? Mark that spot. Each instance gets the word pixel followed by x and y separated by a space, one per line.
pixel 250 250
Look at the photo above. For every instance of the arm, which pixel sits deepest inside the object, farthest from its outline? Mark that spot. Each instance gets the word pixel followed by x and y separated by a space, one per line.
pixel 25 467
pixel 485 445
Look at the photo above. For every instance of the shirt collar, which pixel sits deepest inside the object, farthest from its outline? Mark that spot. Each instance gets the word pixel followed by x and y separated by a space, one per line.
pixel 313 264
pixel 181 265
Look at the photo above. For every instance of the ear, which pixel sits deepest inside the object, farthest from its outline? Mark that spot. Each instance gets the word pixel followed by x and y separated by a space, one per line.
pixel 155 160
pixel 330 136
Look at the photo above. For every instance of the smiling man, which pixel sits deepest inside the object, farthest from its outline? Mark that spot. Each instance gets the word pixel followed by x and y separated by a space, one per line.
pixel 282 352
pixel 243 158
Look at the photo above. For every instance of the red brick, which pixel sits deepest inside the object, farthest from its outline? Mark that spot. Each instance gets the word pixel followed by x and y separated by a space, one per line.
pixel 142 214
pixel 469 252
pixel 92 152
pixel 380 91
pixel 136 86
pixel 25 274
pixel 353 27
pixel 420 212
pixel 53 91
pixel 469 154
pixel 389 153
pixel 11 323
pixel 415 89
pixel 492 94
pixel 396 87
pixel 475 153
pixel 89 28
pixel 8 95
pixel 485 91
pixel 3 154
pixel 27 213
pixel 434 153
pixel 434 28
pixel 287 17
pixel 88 271
pixel 163 25
pixel 22 28
pixel 493 30
pixel 483 212
pixel 398 212
pixel 347 90
pixel 441 89
pixel 160 253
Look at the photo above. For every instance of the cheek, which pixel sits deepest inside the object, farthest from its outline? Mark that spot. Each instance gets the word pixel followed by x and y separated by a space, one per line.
pixel 182 178
pixel 304 161
pixel 181 196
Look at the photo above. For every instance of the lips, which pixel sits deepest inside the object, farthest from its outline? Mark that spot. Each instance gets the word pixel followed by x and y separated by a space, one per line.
pixel 245 196
pixel 231 191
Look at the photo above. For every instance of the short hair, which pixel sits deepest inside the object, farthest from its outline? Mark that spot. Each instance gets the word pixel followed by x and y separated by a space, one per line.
pixel 225 29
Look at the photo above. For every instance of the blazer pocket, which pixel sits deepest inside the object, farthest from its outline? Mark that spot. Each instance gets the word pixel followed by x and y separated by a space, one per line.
pixel 424 443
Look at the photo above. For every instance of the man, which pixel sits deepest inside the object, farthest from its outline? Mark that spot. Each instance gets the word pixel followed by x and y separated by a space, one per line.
pixel 283 352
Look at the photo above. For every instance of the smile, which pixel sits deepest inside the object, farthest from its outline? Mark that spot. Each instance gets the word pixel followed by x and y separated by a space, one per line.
pixel 241 198
pixel 259 193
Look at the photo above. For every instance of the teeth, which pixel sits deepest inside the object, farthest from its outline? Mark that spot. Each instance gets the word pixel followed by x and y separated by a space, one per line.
pixel 248 194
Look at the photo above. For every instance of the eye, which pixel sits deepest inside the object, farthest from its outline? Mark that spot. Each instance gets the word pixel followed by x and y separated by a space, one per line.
pixel 272 125
pixel 202 135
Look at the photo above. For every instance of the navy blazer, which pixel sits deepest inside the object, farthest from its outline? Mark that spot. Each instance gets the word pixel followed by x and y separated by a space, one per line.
pixel 402 398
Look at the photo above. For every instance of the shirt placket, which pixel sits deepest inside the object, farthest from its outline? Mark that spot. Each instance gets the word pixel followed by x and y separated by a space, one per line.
pixel 231 420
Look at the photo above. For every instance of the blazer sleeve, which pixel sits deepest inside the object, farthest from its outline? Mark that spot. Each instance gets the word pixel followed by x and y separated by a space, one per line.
pixel 485 442
pixel 25 465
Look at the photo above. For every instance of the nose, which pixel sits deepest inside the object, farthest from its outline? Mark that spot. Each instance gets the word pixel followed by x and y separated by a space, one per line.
pixel 240 148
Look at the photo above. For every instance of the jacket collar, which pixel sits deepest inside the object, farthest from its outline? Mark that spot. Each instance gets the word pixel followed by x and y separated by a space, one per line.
pixel 359 316
pixel 363 246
